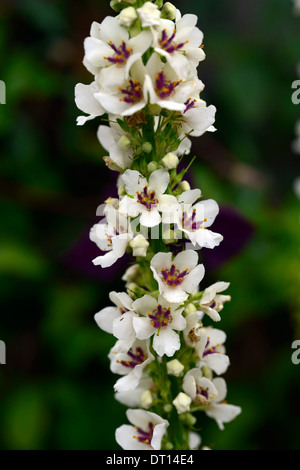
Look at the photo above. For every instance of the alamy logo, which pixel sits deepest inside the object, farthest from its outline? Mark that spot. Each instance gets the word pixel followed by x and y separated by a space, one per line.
pixel 296 94
pixel 2 352
pixel 2 92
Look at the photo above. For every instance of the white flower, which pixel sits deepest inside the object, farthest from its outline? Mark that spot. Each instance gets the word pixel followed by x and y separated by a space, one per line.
pixel 141 396
pixel 182 402
pixel 112 236
pixel 147 199
pixel 139 245
pixel 164 87
pixel 130 364
pixel 160 318
pixel 86 102
pixel 211 351
pixel 180 43
pixel 194 220
pixel 201 390
pixel 129 96
pixel 197 117
pixel 146 433
pixel 212 302
pixel 105 318
pixel 149 14
pixel 110 51
pixel 178 278
pixel 112 139
pixel 218 409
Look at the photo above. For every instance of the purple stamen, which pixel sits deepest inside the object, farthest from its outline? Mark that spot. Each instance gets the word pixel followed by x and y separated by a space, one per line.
pixel 145 436
pixel 138 358
pixel 172 277
pixel 160 317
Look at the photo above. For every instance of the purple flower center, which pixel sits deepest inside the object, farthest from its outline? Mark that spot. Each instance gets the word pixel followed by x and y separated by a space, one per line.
pixel 168 44
pixel 147 198
pixel 114 233
pixel 210 349
pixel 160 317
pixel 145 436
pixel 132 93
pixel 121 54
pixel 163 87
pixel 190 104
pixel 173 277
pixel 134 359
pixel 191 223
pixel 202 391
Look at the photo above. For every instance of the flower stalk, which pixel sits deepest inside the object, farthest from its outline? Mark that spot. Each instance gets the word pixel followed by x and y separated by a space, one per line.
pixel 168 355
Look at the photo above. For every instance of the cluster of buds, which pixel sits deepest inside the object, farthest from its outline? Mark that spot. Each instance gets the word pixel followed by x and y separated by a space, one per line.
pixel 144 63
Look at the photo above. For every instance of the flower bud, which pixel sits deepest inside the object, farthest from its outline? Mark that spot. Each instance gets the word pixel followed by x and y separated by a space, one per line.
pixel 152 166
pixel 117 5
pixel 174 367
pixel 182 402
pixel 139 245
pixel 207 372
pixel 170 161
pixel 124 142
pixel 169 236
pixel 190 308
pixel 149 14
pixel 147 147
pixel 168 408
pixel 169 11
pixel 188 419
pixel 184 185
pixel 122 190
pixel 127 17
pixel 146 399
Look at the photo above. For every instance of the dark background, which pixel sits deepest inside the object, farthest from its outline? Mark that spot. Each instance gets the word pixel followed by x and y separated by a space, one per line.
pixel 56 388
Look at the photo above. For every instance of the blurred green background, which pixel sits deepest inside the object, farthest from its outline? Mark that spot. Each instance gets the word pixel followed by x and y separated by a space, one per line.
pixel 56 388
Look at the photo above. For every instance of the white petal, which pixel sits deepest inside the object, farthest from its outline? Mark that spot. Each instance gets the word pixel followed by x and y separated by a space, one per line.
pixel 190 196
pixel 223 413
pixel 174 294
pixel 143 328
pixel 193 279
pixel 207 238
pixel 112 31
pixel 166 342
pixel 106 260
pixel 186 259
pixel 145 304
pixel 123 326
pixel 217 362
pixel 209 209
pixel 150 218
pixel 124 437
pixel 105 318
pixel 86 101
pixel 159 180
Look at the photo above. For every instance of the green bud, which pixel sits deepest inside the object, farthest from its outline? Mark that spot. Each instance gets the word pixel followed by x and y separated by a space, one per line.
pixel 190 308
pixel 159 3
pixel 169 11
pixel 169 445
pixel 147 147
pixel 188 419
pixel 168 408
pixel 152 166
pixel 184 186
pixel 122 190
pixel 207 372
pixel 154 109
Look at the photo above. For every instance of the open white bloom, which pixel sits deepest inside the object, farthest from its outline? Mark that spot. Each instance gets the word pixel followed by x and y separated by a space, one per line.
pixel 147 199
pixel 112 236
pixel 180 43
pixel 165 88
pixel 111 51
pixel 149 15
pixel 146 432
pixel 210 350
pixel 194 220
pixel 141 396
pixel 218 409
pixel 212 302
pixel 130 364
pixel 127 97
pixel 113 139
pixel 197 117
pixel 160 318
pixel 86 102
pixel 179 277
pixel 201 390
pixel 105 318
